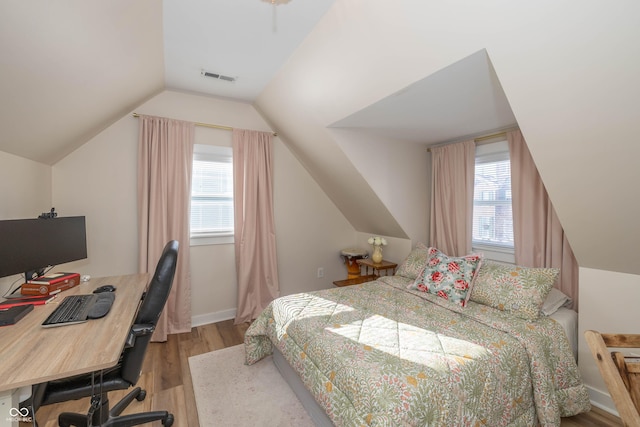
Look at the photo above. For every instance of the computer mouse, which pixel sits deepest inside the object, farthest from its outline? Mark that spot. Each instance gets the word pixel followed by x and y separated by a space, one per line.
pixel 105 288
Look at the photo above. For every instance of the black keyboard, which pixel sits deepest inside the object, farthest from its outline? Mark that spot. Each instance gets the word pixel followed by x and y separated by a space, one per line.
pixel 73 309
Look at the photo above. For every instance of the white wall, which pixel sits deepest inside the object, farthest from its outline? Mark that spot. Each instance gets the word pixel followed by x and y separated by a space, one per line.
pixel 608 303
pixel 398 172
pixel 25 187
pixel 310 230
pixel 99 180
pixel 25 190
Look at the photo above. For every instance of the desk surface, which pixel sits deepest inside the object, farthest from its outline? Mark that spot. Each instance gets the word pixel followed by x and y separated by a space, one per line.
pixel 31 354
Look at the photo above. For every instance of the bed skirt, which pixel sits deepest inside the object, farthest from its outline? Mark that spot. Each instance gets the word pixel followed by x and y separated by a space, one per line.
pixel 315 411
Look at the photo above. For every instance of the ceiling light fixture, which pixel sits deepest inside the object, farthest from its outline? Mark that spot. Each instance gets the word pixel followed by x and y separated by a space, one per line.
pixel 275 3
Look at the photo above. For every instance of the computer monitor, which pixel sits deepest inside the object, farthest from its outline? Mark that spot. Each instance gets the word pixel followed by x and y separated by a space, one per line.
pixel 29 246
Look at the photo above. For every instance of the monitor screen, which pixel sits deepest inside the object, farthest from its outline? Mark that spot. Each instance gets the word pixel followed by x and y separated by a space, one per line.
pixel 30 245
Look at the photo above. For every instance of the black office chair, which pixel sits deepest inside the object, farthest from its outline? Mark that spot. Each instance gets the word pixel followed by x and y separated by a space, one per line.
pixel 126 373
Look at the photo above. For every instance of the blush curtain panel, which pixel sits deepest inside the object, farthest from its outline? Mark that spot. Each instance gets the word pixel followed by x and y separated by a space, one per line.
pixel 254 227
pixel 165 157
pixel 539 239
pixel 452 183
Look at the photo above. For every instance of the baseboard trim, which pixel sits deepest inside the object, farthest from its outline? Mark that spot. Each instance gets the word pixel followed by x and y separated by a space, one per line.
pixel 602 400
pixel 218 316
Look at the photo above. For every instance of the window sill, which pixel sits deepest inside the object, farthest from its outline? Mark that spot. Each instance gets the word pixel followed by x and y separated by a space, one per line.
pixel 211 240
pixel 496 253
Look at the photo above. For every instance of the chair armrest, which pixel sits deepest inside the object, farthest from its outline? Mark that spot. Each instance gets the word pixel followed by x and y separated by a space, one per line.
pixel 139 330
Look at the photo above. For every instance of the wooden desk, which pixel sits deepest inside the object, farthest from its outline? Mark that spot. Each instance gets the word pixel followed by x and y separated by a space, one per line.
pixel 31 354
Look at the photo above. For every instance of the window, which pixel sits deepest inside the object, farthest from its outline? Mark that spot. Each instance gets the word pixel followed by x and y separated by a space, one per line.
pixel 211 195
pixel 492 216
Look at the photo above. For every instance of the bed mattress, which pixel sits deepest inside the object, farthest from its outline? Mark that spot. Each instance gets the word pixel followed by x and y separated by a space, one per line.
pixel 568 319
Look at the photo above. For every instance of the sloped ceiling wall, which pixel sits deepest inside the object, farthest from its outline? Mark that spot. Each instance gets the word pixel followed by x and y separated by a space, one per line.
pixel 568 69
pixel 70 69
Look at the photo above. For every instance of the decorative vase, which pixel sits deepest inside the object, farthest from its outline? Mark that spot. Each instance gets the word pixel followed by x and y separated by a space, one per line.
pixel 376 257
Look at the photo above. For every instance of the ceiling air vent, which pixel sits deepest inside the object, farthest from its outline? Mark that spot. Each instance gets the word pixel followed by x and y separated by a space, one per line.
pixel 217 76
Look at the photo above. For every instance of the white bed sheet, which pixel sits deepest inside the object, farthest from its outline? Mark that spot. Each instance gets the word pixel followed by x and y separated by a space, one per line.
pixel 568 319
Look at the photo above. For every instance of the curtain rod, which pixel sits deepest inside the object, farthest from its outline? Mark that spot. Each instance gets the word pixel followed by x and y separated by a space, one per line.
pixel 207 125
pixel 481 139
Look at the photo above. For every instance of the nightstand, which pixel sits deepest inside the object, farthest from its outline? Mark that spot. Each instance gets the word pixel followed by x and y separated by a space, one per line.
pixel 355 280
pixel 371 267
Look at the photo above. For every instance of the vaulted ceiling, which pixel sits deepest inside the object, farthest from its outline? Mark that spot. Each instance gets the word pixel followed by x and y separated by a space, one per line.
pixel 71 68
pixel 415 72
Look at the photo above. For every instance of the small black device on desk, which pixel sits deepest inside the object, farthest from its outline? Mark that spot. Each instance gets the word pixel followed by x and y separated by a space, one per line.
pixel 80 308
pixel 11 315
pixel 105 288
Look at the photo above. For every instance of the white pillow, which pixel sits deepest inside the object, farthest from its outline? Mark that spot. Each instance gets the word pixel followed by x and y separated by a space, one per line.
pixel 554 301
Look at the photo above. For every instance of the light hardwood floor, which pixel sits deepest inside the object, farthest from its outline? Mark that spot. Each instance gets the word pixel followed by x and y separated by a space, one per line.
pixel 167 379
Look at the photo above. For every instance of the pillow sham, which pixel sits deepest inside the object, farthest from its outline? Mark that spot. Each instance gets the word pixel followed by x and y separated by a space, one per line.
pixel 512 288
pixel 554 301
pixel 413 265
pixel 448 277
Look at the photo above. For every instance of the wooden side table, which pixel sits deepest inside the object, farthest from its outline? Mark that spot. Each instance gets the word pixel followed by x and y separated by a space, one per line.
pixel 355 280
pixel 371 267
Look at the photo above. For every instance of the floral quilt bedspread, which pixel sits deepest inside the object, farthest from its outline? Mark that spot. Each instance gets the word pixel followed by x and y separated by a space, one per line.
pixel 378 354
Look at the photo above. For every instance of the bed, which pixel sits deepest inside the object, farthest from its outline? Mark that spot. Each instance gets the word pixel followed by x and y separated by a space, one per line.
pixel 383 354
pixel 568 320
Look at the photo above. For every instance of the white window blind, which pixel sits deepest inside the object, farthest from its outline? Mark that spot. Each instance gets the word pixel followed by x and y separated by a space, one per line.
pixel 212 192
pixel 492 215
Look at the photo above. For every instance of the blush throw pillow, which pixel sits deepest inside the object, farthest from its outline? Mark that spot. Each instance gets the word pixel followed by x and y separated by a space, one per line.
pixel 448 277
pixel 512 288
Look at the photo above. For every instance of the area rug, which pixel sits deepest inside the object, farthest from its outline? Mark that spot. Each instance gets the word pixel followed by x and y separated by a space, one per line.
pixel 230 393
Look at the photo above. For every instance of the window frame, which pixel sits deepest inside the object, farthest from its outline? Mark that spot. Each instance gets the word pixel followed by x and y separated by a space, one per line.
pixel 485 153
pixel 210 153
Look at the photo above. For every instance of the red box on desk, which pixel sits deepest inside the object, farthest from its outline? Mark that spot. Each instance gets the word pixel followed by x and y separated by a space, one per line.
pixel 50 284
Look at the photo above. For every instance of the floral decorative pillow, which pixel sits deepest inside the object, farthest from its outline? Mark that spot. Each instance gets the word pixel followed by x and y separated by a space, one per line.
pixel 413 265
pixel 512 288
pixel 448 277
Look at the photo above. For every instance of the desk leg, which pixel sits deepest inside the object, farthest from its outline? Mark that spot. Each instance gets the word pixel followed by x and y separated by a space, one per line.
pixel 9 408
